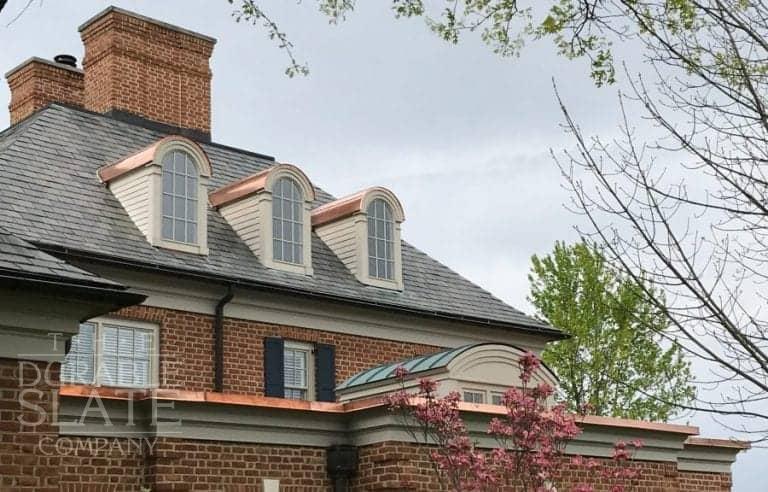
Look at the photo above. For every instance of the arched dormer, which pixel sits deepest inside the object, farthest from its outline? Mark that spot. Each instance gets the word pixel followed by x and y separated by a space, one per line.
pixel 163 189
pixel 363 230
pixel 480 373
pixel 270 211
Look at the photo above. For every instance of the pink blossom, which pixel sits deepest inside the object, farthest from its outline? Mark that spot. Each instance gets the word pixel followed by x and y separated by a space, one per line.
pixel 401 372
pixel 531 438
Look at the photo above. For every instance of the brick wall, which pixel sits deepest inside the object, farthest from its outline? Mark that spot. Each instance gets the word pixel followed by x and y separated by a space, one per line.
pixel 37 83
pixel 394 466
pixel 186 349
pixel 74 464
pixel 22 466
pixel 210 465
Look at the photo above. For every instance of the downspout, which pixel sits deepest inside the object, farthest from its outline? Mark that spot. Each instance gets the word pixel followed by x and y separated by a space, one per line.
pixel 218 341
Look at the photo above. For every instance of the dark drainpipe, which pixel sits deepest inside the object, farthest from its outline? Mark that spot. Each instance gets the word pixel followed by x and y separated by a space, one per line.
pixel 342 461
pixel 218 341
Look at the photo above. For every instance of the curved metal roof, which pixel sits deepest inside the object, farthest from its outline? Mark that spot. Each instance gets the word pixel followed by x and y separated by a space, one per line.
pixel 418 364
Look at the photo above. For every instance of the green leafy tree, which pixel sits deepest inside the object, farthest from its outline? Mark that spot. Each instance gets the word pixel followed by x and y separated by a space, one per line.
pixel 614 363
pixel 578 28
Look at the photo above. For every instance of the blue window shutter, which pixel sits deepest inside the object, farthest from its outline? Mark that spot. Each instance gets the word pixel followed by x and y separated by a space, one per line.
pixel 325 374
pixel 274 384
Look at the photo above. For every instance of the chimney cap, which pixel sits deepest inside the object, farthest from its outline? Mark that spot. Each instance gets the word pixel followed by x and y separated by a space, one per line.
pixel 64 59
pixel 135 15
pixel 36 59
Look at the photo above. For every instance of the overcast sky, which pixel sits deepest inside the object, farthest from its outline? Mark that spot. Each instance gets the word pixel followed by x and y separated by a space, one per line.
pixel 461 136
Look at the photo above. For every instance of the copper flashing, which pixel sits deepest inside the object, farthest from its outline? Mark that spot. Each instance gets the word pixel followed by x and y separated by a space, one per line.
pixel 85 391
pixel 717 443
pixel 637 424
pixel 147 156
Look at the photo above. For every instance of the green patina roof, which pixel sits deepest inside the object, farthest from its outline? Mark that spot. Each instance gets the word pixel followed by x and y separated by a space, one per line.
pixel 417 364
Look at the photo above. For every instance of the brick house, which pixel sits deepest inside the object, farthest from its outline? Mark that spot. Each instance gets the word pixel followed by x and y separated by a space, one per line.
pixel 226 324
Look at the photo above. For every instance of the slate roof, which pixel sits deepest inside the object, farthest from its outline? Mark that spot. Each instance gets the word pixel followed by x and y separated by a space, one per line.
pixel 415 365
pixel 20 259
pixel 52 198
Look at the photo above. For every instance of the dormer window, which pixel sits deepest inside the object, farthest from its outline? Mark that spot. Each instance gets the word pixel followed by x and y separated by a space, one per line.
pixel 381 227
pixel 160 189
pixel 364 231
pixel 287 221
pixel 180 210
pixel 270 211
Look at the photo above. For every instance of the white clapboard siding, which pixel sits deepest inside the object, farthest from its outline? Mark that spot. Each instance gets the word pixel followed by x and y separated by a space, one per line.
pixel 243 216
pixel 133 190
pixel 341 237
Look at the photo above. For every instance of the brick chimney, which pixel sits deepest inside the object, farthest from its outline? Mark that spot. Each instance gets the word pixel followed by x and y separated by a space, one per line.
pixel 147 68
pixel 37 82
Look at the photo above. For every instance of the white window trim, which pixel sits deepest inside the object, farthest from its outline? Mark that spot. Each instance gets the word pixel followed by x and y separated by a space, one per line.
pixel 364 276
pixel 500 394
pixel 156 199
pixel 310 350
pixel 482 392
pixel 265 212
pixel 154 365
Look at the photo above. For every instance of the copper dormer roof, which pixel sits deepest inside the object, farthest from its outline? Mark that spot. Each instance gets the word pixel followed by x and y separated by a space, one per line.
pixel 355 204
pixel 147 156
pixel 255 183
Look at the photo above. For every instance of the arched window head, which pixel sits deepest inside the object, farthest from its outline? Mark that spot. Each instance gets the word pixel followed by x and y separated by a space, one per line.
pixel 287 221
pixel 180 201
pixel 381 240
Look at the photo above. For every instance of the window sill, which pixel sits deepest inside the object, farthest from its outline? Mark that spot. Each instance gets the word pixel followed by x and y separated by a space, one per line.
pixel 382 283
pixel 183 247
pixel 288 267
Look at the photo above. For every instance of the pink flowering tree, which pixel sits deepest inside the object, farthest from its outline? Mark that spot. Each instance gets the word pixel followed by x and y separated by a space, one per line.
pixel 531 439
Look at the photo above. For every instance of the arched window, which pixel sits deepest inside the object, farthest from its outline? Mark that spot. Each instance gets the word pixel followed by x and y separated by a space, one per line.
pixel 180 207
pixel 381 255
pixel 287 221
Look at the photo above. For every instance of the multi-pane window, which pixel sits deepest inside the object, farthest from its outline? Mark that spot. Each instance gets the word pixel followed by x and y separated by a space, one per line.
pixel 497 398
pixel 473 396
pixel 110 354
pixel 287 221
pixel 381 230
pixel 125 356
pixel 297 371
pixel 79 365
pixel 180 207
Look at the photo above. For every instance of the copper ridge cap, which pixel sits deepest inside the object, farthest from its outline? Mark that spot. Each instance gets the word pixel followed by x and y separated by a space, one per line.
pixel 247 186
pixel 239 189
pixel 353 204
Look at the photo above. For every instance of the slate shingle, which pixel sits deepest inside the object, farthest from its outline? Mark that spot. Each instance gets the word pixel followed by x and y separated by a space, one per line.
pixel 19 258
pixel 52 197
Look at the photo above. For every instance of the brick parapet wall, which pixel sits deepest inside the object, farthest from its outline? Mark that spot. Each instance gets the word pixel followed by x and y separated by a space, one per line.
pixel 186 349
